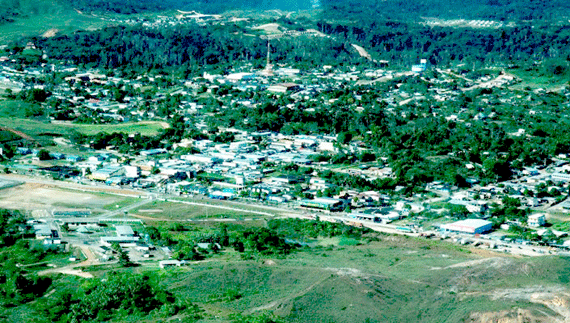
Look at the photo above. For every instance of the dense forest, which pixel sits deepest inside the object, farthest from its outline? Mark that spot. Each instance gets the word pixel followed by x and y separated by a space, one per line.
pixel 401 10
pixel 406 42
pixel 204 6
pixel 191 49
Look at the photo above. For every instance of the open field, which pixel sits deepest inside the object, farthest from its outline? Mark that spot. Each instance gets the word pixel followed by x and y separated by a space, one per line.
pixel 44 197
pixel 36 128
pixel 533 81
pixel 171 211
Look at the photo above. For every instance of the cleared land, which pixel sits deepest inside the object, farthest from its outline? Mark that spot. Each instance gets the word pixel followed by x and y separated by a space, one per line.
pixel 215 210
pixel 36 128
pixel 44 197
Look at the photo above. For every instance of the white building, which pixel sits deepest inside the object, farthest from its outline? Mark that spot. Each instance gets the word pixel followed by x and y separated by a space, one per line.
pixel 474 226
pixel 132 171
pixel 124 231
pixel 536 220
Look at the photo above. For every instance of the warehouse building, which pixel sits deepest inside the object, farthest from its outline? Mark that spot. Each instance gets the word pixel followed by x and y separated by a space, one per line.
pixel 323 204
pixel 473 226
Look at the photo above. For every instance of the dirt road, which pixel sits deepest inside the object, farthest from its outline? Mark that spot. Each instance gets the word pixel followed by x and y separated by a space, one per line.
pixel 72 269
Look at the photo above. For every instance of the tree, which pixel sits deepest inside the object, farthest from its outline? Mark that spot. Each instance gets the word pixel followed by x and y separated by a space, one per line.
pixel 44 155
pixel 124 259
pixel 344 138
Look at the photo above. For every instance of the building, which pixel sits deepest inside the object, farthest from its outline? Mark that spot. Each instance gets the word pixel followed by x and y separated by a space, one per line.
pixel 73 158
pixel 23 151
pixel 239 77
pixel 283 88
pixel 42 231
pixel 120 240
pixel 323 204
pixel 561 177
pixel 132 171
pixel 105 173
pixel 536 220
pixel 124 231
pixel 366 217
pixel 420 67
pixel 201 159
pixel 169 263
pixel 473 226
pixel 152 152
pixel 222 195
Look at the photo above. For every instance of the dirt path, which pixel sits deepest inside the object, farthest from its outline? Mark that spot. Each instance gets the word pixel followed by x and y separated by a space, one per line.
pixel 362 52
pixel 71 269
pixel 19 133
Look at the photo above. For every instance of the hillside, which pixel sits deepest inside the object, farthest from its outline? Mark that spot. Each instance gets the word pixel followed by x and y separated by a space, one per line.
pixel 26 18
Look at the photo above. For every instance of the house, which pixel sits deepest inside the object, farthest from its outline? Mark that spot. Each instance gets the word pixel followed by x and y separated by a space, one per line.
pixel 318 184
pixel 419 68
pixel 536 220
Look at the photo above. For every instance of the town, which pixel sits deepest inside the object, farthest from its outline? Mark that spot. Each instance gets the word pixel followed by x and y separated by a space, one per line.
pixel 306 173
pixel 284 161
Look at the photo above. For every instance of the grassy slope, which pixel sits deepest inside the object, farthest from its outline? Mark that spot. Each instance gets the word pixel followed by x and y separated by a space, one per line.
pixel 39 16
pixel 388 281
pixel 393 280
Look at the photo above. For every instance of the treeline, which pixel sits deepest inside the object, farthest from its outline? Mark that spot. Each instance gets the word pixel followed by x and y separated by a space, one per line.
pixel 402 42
pixel 249 242
pixel 202 6
pixel 298 228
pixel 401 10
pixel 191 49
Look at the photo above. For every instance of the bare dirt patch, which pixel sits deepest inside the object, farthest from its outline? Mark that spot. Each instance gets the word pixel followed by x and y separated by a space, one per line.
pixel 50 33
pixel 512 316
pixel 39 196
pixel 556 298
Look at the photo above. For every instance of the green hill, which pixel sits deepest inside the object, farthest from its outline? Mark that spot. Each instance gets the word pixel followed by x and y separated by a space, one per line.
pixel 24 18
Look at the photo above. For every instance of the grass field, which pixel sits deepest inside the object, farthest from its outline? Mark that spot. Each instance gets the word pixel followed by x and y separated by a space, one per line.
pixel 534 81
pixel 181 212
pixel 35 128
